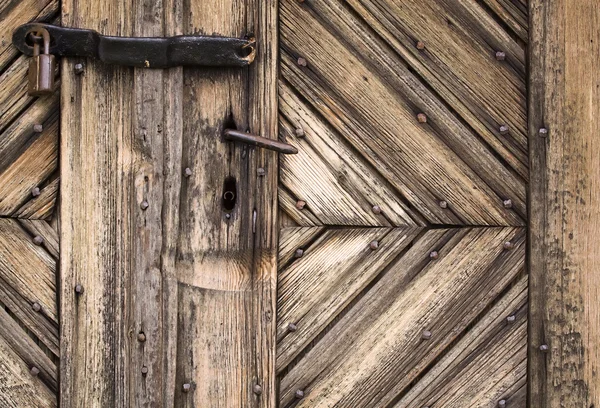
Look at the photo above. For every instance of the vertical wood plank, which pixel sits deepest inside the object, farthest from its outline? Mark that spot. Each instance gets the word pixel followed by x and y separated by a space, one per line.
pixel 565 204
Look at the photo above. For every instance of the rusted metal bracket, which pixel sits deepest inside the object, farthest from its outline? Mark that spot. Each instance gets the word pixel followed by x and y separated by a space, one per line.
pixel 259 141
pixel 146 52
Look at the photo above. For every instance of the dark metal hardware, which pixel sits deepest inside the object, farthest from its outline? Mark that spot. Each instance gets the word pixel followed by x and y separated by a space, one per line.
pixel 147 52
pixel 271 144
pixel 41 66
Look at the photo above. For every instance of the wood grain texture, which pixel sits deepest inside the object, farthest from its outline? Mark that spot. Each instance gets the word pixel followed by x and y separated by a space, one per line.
pixel 153 250
pixel 565 197
pixel 375 350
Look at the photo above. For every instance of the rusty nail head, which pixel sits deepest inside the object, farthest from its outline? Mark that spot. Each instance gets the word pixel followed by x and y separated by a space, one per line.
pixel 299 132
pixel 38 240
pixel 141 337
pixel 300 204
pixel 500 55
pixel 443 204
pixel 511 319
pixel 426 335
pixel 144 205
pixel 299 394
pixel 302 62
pixel 299 253
pixel 187 172
pixel 376 209
pixel 257 389
pixel 507 203
pixel 292 327
pixel 36 306
pixel 35 192
pixel 434 255
pixel 260 171
pixel 544 348
pixel 374 245
pixel 502 403
pixel 504 130
pixel 144 370
pixel 79 68
pixel 543 132
pixel 187 387
pixel 34 371
pixel 420 45
pixel 422 118
pixel 508 245
pixel 79 289
pixel 38 128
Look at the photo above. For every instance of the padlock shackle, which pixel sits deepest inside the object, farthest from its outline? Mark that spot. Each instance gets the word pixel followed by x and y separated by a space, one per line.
pixel 46 40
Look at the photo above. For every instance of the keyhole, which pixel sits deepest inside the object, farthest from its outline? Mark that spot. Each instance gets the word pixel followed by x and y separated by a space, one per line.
pixel 229 194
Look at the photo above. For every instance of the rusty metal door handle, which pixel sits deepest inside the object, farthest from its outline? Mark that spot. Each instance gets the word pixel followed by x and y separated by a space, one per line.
pixel 145 52
pixel 271 144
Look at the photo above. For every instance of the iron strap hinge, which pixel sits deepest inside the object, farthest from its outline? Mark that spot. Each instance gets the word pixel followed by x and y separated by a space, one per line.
pixel 146 52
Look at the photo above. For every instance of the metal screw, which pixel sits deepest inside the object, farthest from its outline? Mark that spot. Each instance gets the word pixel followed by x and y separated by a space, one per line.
pixel 299 394
pixel 144 205
pixel 507 203
pixel 79 289
pixel 144 370
pixel 187 387
pixel 544 348
pixel 500 55
pixel 36 306
pixel 301 62
pixel 376 209
pixel 227 215
pixel 508 245
pixel 38 240
pixel 187 172
pixel 426 335
pixel 79 68
pixel 299 132
pixel 299 253
pixel 504 130
pixel 502 403
pixel 511 319
pixel 300 204
pixel 260 171
pixel 38 128
pixel 434 255
pixel 543 132
pixel 374 245
pixel 443 204
pixel 420 45
pixel 422 118
pixel 292 327
pixel 257 389
pixel 34 371
pixel 141 337
pixel 35 192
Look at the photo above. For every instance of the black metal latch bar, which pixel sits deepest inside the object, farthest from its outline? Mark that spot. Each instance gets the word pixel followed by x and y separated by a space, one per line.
pixel 147 52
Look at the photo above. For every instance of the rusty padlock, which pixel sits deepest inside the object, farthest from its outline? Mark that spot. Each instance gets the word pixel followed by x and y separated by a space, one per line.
pixel 41 68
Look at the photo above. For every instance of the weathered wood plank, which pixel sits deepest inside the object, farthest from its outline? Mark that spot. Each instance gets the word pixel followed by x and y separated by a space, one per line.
pixel 565 198
pixel 487 365
pixel 292 238
pixel 376 350
pixel 18 388
pixel 381 123
pixel 340 188
pixel 314 289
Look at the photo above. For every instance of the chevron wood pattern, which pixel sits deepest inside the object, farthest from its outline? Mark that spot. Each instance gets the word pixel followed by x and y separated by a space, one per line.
pixel 29 346
pixel 410 120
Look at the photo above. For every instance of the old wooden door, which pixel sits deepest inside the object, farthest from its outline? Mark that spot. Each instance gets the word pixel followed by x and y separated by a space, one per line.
pixel 384 265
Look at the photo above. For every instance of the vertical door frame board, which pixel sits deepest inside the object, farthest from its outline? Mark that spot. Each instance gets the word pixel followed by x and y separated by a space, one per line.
pixel 564 203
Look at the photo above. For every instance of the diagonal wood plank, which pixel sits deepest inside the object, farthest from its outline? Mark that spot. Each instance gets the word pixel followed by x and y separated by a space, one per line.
pixel 314 289
pixel 376 350
pixel 292 238
pixel 487 365
pixel 417 154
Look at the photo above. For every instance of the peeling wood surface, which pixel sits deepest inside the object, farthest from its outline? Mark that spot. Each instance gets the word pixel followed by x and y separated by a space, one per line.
pixel 565 283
